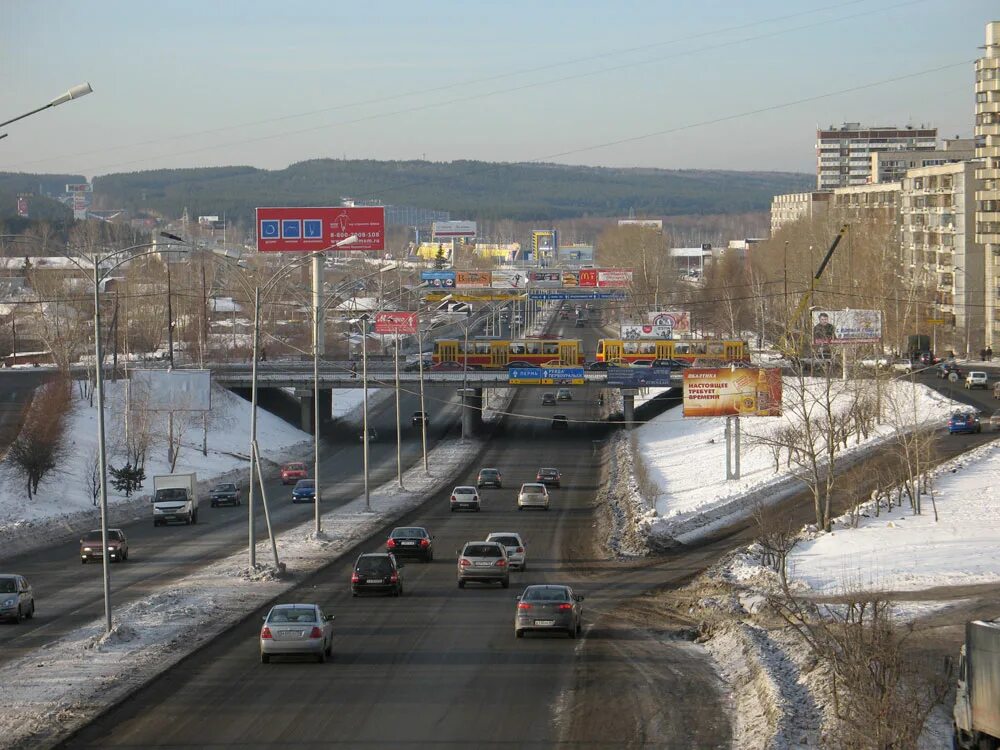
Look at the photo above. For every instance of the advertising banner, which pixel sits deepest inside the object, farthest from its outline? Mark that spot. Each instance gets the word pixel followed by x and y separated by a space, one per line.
pixel 395 322
pixel 22 206
pixel 632 331
pixel 846 327
pixel 616 277
pixel 439 279
pixel 575 295
pixel 732 392
pixel 453 229
pixel 588 277
pixel 545 278
pixel 678 320
pixel 473 279
pixel 506 279
pixel 571 278
pixel 172 390
pixel 80 187
pixel 312 229
pixel 640 377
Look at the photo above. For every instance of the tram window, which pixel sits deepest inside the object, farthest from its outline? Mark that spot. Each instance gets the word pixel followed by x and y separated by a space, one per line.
pixel 630 347
pixel 517 347
pixel 482 347
pixel 716 348
pixel 647 348
pixel 533 347
pixel 682 348
pixel 698 348
pixel 550 347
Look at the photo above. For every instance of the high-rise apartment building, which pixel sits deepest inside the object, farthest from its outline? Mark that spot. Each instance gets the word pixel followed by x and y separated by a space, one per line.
pixel 844 154
pixel 988 173
pixel 891 166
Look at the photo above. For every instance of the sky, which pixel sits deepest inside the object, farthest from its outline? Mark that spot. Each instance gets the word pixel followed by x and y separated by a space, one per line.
pixel 676 84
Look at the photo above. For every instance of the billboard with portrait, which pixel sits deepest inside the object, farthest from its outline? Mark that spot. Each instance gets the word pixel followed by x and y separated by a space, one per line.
pixel 833 327
pixel 679 321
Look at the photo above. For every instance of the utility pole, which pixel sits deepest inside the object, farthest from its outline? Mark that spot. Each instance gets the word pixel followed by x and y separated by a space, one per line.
pixel 170 319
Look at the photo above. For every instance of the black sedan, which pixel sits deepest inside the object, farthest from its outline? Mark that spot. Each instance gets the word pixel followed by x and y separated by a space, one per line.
pixel 225 493
pixel 411 541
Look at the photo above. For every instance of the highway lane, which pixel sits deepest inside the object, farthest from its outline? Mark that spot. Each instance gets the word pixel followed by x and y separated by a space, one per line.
pixel 69 594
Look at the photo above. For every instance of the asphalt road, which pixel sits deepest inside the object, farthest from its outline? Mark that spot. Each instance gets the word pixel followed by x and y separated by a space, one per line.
pixel 69 594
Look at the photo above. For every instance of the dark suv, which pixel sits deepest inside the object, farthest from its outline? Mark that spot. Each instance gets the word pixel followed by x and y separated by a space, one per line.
pixel 420 417
pixel 377 573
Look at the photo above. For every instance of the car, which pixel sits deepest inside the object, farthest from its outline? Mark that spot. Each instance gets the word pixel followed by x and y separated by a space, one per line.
pixel 964 423
pixel 410 541
pixel 17 600
pixel 293 472
pixel 946 370
pixel 875 362
pixel 304 491
pixel 372 435
pixel 420 417
pixel 489 478
pixel 560 422
pixel 91 543
pixel 549 477
pixel 225 493
pixel 564 315
pixel 296 629
pixel 414 366
pixel 927 358
pixel 994 421
pixel 642 363
pixel 533 495
pixel 449 367
pixel 977 379
pixel 672 363
pixel 516 553
pixel 519 363
pixel 465 496
pixel 580 323
pixel 483 562
pixel 518 318
pixel 902 365
pixel 550 607
pixel 564 394
pixel 597 366
pixel 377 573
pixel 548 399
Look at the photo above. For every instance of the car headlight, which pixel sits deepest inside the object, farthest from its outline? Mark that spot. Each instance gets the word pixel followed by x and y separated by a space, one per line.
pixel 87 549
pixel 9 602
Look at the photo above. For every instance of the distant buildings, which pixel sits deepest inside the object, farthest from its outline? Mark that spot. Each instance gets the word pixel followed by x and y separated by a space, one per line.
pixel 987 194
pixel 891 166
pixel 791 207
pixel 844 154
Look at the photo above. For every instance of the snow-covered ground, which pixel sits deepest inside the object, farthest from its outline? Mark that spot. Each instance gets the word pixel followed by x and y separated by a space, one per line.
pixel 64 498
pixel 689 504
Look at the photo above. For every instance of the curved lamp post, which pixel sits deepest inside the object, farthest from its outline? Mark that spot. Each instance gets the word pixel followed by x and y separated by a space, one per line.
pixel 74 93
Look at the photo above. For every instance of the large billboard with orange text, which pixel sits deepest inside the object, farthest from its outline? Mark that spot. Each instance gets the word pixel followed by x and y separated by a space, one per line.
pixel 732 392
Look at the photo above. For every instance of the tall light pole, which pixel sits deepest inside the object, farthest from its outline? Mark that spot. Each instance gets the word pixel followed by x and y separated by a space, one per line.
pixel 74 93
pixel 364 406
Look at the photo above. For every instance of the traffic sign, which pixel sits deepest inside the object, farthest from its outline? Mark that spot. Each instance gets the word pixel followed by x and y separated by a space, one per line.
pixel 545 375
pixel 576 295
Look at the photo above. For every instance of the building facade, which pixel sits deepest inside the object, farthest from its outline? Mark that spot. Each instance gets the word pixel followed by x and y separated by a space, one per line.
pixel 891 166
pixel 844 154
pixel 987 130
pixel 875 203
pixel 937 214
pixel 790 207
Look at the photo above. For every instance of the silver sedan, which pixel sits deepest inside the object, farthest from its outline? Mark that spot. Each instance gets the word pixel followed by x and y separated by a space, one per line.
pixel 296 629
pixel 549 607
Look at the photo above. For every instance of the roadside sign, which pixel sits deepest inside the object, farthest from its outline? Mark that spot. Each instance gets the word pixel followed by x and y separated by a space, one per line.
pixel 575 295
pixel 935 321
pixel 395 322
pixel 310 229
pixel 545 376
pixel 640 377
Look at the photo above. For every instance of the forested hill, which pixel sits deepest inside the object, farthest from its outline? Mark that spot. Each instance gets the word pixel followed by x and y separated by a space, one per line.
pixel 468 189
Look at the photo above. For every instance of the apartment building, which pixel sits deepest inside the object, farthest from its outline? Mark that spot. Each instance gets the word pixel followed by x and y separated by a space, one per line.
pixel 844 154
pixel 987 132
pixel 791 207
pixel 891 166
pixel 875 203
pixel 937 213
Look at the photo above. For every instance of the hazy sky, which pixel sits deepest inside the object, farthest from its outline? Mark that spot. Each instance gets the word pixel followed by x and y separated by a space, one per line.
pixel 657 83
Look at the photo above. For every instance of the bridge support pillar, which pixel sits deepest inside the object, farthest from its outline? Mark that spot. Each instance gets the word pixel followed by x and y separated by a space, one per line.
pixel 472 411
pixel 628 407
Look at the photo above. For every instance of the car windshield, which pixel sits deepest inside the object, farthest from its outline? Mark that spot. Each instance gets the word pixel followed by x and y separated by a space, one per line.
pixel 296 467
pixel 374 566
pixel 488 473
pixel 464 491
pixel 408 532
pixel 8 586
pixel 507 541
pixel 225 488
pixel 172 493
pixel 482 550
pixel 548 472
pixel 292 614
pixel 546 595
pixel 533 489
pixel 305 484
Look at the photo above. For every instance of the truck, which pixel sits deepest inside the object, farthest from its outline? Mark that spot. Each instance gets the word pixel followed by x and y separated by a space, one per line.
pixel 175 498
pixel 977 697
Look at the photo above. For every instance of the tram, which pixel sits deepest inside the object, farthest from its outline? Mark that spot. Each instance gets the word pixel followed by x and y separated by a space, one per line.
pixel 685 350
pixel 498 353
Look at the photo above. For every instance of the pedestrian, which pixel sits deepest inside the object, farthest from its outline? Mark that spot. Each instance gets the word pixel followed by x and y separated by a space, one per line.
pixel 263 354
pixel 989 354
pixel 354 369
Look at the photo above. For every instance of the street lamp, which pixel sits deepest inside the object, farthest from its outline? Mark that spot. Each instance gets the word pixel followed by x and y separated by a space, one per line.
pixel 74 93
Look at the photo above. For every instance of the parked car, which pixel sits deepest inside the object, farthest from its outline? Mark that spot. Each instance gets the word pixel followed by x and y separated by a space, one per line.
pixel 225 493
pixel 516 552
pixel 483 562
pixel 549 477
pixel 377 573
pixel 372 435
pixel 902 365
pixel 296 629
pixel 977 379
pixel 410 541
pixel 17 600
pixel 995 421
pixel 642 363
pixel 548 399
pixel 564 394
pixel 420 417
pixel 560 422
pixel 549 607
pixel 304 491
pixel 91 542
pixel 489 478
pixel 533 495
pixel 449 367
pixel 293 472
pixel 672 363
pixel 465 496
pixel 963 423
pixel 597 366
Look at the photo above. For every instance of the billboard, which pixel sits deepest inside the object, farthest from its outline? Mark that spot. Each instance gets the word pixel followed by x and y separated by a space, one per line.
pixel 22 206
pixel 846 327
pixel 81 187
pixel 631 331
pixel 505 279
pixel 396 322
pixel 544 243
pixel 678 320
pixel 473 279
pixel 614 277
pixel 545 376
pixel 640 377
pixel 439 279
pixel 172 390
pixel 545 278
pixel 309 229
pixel 732 392
pixel 453 229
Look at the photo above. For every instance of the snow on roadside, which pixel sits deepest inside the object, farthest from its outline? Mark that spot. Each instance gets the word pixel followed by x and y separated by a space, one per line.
pixel 64 686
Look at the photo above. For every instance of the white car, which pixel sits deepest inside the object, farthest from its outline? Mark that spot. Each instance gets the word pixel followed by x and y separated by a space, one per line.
pixel 903 365
pixel 296 629
pixel 875 363
pixel 977 379
pixel 516 553
pixel 465 496
pixel 533 495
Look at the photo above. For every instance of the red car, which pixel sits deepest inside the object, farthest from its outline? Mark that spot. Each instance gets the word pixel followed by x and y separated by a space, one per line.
pixel 293 472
